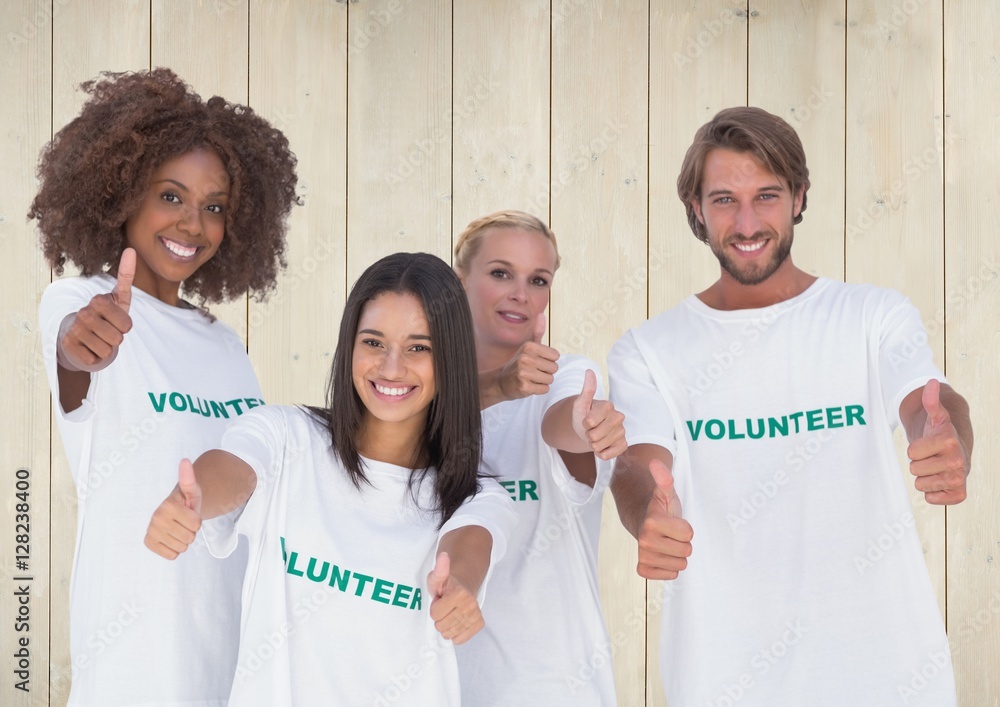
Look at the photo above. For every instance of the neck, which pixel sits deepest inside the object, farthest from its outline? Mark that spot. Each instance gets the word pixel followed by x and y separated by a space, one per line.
pixel 396 443
pixel 785 283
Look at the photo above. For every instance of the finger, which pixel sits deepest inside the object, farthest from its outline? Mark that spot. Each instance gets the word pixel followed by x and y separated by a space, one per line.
pixel 585 400
pixel 189 487
pixel 941 449
pixel 664 480
pixel 541 354
pixel 539 330
pixel 438 579
pixel 122 293
pixel 946 498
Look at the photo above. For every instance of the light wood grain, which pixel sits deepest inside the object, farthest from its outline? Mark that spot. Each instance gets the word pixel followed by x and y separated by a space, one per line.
pixel 894 196
pixel 598 205
pixel 298 81
pixel 399 130
pixel 972 306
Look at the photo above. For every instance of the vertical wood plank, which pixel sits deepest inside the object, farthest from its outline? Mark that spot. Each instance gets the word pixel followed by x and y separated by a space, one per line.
pixel 25 78
pixel 600 65
pixel 206 42
pixel 298 81
pixel 809 36
pixel 88 38
pixel 894 194
pixel 399 130
pixel 501 114
pixel 698 66
pixel 972 303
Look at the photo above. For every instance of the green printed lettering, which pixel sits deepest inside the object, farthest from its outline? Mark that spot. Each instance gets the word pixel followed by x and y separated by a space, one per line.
pixel 339 580
pixel 284 557
pixel 854 412
pixel 814 419
pixel 795 416
pixel 415 604
pixel 163 401
pixel 774 425
pixel 177 402
pixel 834 417
pixel 528 488
pixel 236 405
pixel 252 403
pixel 750 430
pixel 196 409
pixel 219 410
pixel 720 429
pixel 401 596
pixel 733 434
pixel 310 570
pixel 695 430
pixel 383 587
pixel 363 579
pixel 291 565
pixel 511 487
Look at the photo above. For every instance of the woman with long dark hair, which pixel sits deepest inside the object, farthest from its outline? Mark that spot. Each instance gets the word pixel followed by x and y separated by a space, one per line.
pixel 358 515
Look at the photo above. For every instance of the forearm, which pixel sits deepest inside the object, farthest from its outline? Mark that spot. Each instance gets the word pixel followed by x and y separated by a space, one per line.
pixel 632 485
pixel 489 389
pixel 469 549
pixel 226 482
pixel 557 428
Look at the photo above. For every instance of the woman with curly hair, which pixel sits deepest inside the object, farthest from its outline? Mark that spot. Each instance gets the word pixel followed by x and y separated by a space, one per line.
pixel 150 189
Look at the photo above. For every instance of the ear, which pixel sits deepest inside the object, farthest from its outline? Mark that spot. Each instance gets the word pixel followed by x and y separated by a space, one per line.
pixel 800 196
pixel 696 205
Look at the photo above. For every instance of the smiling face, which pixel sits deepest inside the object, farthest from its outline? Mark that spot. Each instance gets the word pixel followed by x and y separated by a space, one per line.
pixel 392 362
pixel 180 223
pixel 507 284
pixel 748 214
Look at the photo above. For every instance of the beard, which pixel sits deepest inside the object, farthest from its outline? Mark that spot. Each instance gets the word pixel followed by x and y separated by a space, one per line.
pixel 753 273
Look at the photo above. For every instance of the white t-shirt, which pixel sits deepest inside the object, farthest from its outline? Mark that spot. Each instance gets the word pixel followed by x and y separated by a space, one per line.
pixel 806 584
pixel 545 641
pixel 335 603
pixel 143 630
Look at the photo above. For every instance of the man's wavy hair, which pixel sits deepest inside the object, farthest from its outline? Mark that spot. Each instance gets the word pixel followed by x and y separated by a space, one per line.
pixel 771 141
pixel 96 170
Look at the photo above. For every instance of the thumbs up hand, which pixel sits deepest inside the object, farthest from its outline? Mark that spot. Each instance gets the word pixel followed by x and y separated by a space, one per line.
pixel 455 610
pixel 89 339
pixel 532 368
pixel 938 459
pixel 597 422
pixel 664 535
pixel 176 522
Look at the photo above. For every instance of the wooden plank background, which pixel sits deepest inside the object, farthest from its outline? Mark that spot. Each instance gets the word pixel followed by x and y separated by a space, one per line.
pixel 411 117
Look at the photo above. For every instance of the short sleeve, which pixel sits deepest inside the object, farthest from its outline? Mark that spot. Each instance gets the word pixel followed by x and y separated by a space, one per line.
pixel 493 510
pixel 635 393
pixel 905 361
pixel 259 439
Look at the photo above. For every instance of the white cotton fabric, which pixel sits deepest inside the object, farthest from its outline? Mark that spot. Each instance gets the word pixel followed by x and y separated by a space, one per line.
pixel 807 584
pixel 311 634
pixel 545 641
pixel 143 630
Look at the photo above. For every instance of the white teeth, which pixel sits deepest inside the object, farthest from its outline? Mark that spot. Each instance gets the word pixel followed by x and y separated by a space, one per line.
pixel 750 247
pixel 392 391
pixel 180 250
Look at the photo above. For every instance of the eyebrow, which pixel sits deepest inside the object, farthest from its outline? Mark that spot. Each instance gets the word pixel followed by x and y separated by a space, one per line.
pixel 511 265
pixel 727 192
pixel 182 186
pixel 376 332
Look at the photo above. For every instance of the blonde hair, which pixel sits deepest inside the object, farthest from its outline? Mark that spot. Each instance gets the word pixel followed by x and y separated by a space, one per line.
pixel 471 239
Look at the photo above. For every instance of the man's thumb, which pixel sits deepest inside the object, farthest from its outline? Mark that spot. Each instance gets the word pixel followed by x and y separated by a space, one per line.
pixel 931 400
pixel 188 484
pixel 664 480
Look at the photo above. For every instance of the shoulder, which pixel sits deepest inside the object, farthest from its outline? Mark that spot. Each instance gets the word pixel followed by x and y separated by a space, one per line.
pixel 68 295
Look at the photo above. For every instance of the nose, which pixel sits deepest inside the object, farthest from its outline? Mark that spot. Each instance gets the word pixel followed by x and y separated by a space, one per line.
pixel 747 220
pixel 518 291
pixel 189 220
pixel 392 366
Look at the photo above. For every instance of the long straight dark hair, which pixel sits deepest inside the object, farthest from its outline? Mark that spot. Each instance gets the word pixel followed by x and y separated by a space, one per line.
pixel 452 438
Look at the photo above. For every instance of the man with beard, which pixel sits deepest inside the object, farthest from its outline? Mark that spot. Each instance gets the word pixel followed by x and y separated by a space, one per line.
pixel 767 404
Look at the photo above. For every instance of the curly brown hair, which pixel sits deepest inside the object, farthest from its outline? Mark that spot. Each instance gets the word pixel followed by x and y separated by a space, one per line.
pixel 96 170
